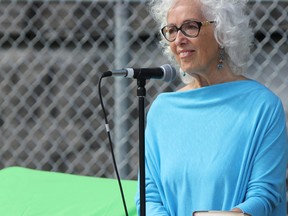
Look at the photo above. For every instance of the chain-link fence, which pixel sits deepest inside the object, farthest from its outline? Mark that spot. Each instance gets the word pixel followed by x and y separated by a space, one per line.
pixel 51 56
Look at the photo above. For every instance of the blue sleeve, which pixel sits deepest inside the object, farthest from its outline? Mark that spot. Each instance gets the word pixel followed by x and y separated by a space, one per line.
pixel 154 205
pixel 267 185
pixel 154 202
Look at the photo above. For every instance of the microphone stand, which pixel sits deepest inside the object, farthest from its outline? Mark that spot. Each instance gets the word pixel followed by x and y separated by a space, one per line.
pixel 141 93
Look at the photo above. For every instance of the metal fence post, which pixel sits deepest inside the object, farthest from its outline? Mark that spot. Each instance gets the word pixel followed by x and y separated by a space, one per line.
pixel 121 102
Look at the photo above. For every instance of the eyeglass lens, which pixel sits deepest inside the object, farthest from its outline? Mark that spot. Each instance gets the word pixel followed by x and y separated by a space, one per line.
pixel 189 29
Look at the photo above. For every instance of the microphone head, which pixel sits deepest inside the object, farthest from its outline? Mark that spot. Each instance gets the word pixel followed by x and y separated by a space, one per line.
pixel 169 73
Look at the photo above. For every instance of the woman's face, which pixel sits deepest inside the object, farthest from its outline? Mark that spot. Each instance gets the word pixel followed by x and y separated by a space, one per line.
pixel 194 55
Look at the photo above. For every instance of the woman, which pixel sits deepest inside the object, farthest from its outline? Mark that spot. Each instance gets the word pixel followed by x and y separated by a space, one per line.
pixel 220 142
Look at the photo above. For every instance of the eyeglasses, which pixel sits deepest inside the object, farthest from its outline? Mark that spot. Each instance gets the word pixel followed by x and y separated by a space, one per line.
pixel 190 29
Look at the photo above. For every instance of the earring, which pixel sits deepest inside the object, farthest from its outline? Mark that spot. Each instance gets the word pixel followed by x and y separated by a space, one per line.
pixel 185 77
pixel 220 65
pixel 183 73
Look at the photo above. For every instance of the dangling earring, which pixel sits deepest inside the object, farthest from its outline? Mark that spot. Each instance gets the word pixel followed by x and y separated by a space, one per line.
pixel 185 77
pixel 183 73
pixel 220 65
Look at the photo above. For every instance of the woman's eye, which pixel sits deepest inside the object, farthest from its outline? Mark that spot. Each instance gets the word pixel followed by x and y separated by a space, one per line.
pixel 191 26
pixel 171 30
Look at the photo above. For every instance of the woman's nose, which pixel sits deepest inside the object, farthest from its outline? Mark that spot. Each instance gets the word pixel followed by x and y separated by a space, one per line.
pixel 180 38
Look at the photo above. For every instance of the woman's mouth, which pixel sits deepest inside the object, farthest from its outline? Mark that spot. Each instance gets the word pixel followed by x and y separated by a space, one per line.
pixel 186 53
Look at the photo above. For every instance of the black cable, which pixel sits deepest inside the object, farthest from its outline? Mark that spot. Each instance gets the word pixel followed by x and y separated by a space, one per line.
pixel 110 144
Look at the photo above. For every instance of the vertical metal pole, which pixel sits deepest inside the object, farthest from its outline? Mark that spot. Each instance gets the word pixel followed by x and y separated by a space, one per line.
pixel 121 91
pixel 141 92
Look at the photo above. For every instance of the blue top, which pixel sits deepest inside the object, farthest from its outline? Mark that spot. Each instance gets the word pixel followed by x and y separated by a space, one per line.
pixel 216 148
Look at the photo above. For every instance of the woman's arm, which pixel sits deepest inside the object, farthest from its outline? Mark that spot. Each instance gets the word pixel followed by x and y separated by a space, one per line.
pixel 266 188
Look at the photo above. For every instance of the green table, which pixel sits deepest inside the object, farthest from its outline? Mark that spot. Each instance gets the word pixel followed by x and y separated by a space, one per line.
pixel 27 192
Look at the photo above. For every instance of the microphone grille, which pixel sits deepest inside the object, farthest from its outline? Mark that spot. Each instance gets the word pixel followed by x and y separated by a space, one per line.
pixel 169 72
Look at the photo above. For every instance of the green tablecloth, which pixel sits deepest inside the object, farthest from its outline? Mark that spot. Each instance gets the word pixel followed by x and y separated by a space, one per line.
pixel 27 192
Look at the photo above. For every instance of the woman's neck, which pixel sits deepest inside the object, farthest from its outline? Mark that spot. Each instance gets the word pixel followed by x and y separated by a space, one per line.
pixel 217 77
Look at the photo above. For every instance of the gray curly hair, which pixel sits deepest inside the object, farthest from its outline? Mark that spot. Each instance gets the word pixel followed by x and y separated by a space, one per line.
pixel 232 29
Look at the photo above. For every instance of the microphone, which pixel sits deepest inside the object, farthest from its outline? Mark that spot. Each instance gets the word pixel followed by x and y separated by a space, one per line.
pixel 165 72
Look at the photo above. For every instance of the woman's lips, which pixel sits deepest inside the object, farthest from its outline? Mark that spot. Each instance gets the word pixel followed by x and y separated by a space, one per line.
pixel 186 53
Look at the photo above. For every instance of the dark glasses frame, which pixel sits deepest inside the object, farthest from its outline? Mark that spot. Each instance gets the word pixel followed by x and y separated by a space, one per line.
pixel 198 24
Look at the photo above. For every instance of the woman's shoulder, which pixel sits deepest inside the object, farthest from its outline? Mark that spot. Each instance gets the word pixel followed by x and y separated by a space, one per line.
pixel 261 90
